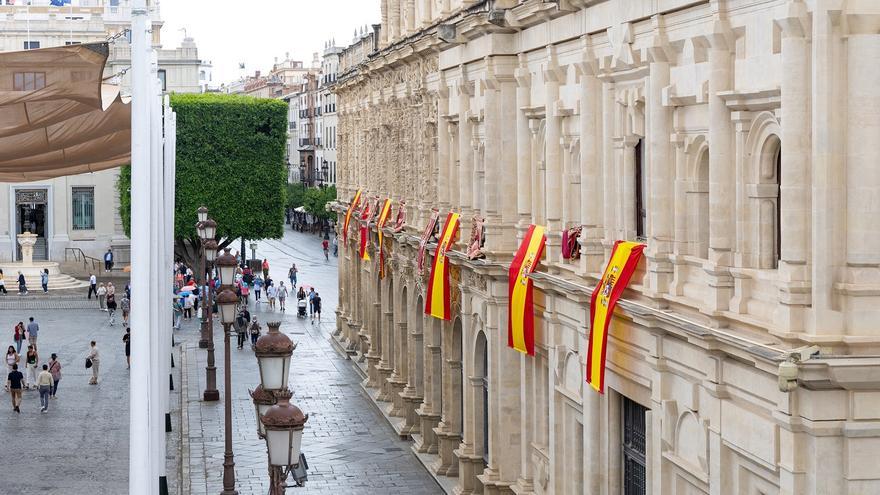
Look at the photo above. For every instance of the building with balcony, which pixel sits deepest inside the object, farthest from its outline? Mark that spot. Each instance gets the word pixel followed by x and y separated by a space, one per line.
pixel 737 139
pixel 80 212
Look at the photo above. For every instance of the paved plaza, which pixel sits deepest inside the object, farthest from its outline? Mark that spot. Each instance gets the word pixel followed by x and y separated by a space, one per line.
pixel 351 449
pixel 80 447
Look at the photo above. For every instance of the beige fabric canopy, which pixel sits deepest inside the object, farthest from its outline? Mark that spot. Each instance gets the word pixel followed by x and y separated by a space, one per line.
pixel 57 117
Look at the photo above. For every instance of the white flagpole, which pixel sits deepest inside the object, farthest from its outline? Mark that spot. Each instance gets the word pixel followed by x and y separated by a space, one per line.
pixel 141 446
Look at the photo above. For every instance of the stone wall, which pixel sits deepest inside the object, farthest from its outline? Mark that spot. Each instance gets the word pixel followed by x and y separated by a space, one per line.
pixel 750 125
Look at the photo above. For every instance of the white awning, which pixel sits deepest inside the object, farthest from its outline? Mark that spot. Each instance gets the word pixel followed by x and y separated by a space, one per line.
pixel 57 117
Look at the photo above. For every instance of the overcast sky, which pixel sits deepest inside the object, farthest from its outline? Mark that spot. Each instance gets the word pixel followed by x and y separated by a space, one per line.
pixel 256 31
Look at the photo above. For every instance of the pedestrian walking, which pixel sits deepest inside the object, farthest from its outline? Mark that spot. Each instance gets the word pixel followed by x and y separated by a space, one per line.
pixel 282 295
pixel 265 268
pixel 22 285
pixel 3 283
pixel 125 305
pixel 111 307
pixel 177 309
pixel 316 304
pixel 55 370
pixel 33 331
pixel 12 359
pixel 44 280
pixel 30 364
pixel 312 302
pixel 241 326
pixel 244 291
pixel 187 307
pixel 291 274
pixel 272 293
pixel 111 289
pixel 126 339
pixel 325 244
pixel 93 285
pixel 258 287
pixel 13 383
pixel 108 260
pixel 45 382
pixel 19 336
pixel 93 361
pixel 255 332
pixel 102 297
pixel 335 246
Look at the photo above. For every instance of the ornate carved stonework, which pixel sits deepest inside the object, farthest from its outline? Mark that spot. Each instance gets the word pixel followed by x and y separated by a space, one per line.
pixel 475 245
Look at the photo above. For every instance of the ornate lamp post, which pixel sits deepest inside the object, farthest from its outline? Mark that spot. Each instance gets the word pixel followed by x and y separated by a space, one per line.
pixel 211 393
pixel 323 175
pixel 227 300
pixel 284 423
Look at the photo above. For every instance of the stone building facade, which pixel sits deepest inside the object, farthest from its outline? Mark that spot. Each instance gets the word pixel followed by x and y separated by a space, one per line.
pixel 736 138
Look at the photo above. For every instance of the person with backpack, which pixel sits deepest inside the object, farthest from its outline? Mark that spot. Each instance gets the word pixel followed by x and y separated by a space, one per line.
pixel 241 328
pixel 55 370
pixel 125 305
pixel 22 285
pixel 255 332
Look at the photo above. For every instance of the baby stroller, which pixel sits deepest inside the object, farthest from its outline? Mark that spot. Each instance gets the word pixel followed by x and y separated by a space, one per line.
pixel 301 308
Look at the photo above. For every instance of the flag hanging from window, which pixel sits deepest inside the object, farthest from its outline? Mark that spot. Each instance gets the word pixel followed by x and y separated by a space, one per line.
pixel 366 218
pixel 521 317
pixel 351 207
pixel 437 302
pixel 624 259
pixel 426 236
pixel 384 213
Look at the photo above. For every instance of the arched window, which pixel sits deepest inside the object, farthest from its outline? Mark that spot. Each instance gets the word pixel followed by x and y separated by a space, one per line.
pixel 777 247
pixel 702 209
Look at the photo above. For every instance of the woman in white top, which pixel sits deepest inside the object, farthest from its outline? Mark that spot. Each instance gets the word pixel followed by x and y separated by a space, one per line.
pixel 11 358
pixel 271 293
pixel 2 283
pixel 102 297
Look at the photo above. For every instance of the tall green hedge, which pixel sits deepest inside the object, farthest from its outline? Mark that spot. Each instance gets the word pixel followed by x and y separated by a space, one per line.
pixel 230 158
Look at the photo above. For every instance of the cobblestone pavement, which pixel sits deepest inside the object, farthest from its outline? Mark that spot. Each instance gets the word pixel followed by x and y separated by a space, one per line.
pixel 349 446
pixel 80 447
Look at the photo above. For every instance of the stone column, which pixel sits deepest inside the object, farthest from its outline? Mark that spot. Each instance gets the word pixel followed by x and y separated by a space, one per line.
pixel 386 27
pixel 443 158
pixel 524 182
pixel 590 130
pixel 492 131
pixel 393 20
pixel 429 411
pixel 465 149
pixel 426 17
pixel 862 170
pixel 413 393
pixel 554 75
pixel 397 380
pixel 410 17
pixel 662 172
pixel 722 172
pixel 454 164
pixel 508 115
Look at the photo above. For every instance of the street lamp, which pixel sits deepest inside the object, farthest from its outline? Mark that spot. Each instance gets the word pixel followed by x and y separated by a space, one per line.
pixel 210 229
pixel 227 300
pixel 324 175
pixel 302 172
pixel 263 400
pixel 202 213
pixel 283 423
pixel 273 352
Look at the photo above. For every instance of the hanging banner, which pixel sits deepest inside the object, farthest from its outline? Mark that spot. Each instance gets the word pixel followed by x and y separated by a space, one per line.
pixel 351 207
pixel 624 259
pixel 437 302
pixel 426 236
pixel 366 218
pixel 521 316
pixel 384 213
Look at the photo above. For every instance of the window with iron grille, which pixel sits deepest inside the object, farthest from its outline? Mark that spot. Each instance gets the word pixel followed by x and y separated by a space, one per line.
pixel 83 208
pixel 633 448
pixel 28 81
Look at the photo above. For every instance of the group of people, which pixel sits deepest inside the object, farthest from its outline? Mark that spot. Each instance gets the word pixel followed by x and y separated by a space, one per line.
pixel 43 377
pixel 106 296
pixel 22 283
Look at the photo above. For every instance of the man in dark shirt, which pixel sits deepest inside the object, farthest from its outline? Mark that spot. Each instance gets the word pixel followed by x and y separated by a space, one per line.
pixel 316 306
pixel 13 383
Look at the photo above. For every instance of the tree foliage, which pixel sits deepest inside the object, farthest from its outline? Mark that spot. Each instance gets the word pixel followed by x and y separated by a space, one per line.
pixel 230 158
pixel 316 199
pixel 296 195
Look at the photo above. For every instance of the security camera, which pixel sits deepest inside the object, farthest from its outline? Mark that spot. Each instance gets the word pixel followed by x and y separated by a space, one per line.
pixel 788 374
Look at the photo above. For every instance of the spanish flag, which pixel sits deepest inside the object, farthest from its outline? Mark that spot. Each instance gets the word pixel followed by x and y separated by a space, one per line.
pixel 624 259
pixel 384 213
pixel 520 316
pixel 437 302
pixel 365 232
pixel 351 207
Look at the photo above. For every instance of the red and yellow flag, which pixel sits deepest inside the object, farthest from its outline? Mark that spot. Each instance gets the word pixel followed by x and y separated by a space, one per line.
pixel 384 213
pixel 520 316
pixel 351 207
pixel 437 303
pixel 366 216
pixel 624 259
